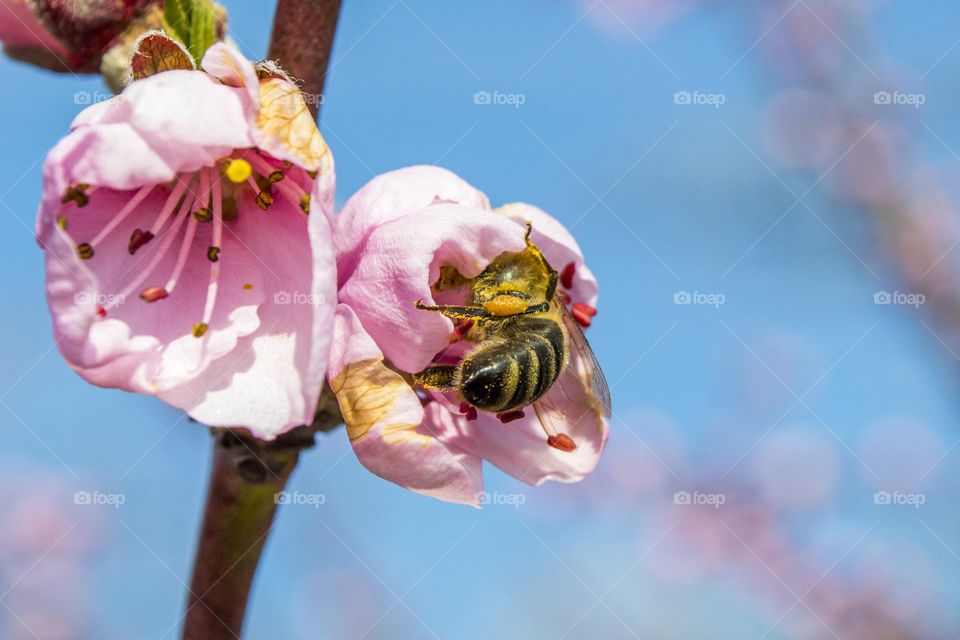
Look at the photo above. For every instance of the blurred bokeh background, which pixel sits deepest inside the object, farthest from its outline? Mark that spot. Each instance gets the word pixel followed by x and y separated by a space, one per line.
pixel 767 192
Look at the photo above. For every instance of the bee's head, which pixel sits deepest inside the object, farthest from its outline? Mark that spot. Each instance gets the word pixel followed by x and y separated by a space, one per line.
pixel 517 277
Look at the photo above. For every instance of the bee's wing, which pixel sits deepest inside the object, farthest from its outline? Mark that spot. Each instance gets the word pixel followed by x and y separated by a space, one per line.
pixel 581 384
pixel 585 362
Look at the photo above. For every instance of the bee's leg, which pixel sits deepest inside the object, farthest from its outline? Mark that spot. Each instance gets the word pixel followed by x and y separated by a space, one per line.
pixel 437 377
pixel 455 312
pixel 535 308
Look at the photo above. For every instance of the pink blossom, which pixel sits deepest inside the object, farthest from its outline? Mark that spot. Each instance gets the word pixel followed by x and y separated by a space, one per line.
pixel 392 238
pixel 181 261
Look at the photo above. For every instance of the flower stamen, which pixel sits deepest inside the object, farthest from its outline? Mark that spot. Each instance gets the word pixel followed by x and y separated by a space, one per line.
pixel 127 209
pixel 562 441
pixel 84 250
pixel 152 294
pixel 158 255
pixel 79 193
pixel 211 300
pixel 185 246
pixel 172 204
pixel 138 238
pixel 583 314
pixel 263 198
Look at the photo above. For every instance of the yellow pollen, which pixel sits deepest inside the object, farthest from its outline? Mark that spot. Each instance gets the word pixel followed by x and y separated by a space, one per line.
pixel 199 329
pixel 505 305
pixel 238 170
pixel 247 286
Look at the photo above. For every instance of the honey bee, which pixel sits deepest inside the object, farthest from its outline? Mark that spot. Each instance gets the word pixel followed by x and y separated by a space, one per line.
pixel 523 339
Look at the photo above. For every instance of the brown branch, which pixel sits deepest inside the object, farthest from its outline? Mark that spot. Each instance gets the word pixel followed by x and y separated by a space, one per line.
pixel 301 42
pixel 245 481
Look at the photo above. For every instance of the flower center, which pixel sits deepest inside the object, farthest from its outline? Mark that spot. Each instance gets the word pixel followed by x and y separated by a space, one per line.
pixel 207 196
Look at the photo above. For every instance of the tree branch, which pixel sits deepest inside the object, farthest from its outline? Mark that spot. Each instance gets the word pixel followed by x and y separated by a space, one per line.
pixel 246 477
pixel 302 38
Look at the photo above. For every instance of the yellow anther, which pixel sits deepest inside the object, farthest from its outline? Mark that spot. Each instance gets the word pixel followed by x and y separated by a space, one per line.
pixel 199 329
pixel 238 170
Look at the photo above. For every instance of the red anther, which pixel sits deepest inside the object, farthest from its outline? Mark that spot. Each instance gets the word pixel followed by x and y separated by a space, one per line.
pixel 461 330
pixel 468 410
pixel 101 312
pixel 510 416
pixel 583 313
pixel 138 238
pixel 153 294
pixel 566 276
pixel 563 442
pixel 585 308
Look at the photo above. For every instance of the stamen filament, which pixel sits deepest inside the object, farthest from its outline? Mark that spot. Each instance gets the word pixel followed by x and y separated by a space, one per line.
pixel 214 267
pixel 294 195
pixel 170 204
pixel 155 259
pixel 259 163
pixel 263 198
pixel 185 246
pixel 126 211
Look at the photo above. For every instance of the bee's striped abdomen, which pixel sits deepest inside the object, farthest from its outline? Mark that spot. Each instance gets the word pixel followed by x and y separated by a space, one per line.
pixel 515 370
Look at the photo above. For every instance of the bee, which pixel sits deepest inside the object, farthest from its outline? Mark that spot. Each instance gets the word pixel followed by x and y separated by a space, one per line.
pixel 523 338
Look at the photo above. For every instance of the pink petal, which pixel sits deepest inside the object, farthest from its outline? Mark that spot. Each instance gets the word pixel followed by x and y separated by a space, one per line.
pixel 271 381
pixel 402 258
pixel 111 155
pixel 393 195
pixel 385 422
pixel 186 117
pixel 224 62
